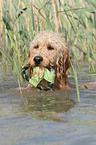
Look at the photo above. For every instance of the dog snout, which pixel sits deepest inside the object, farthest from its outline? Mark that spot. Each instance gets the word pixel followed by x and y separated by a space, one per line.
pixel 38 60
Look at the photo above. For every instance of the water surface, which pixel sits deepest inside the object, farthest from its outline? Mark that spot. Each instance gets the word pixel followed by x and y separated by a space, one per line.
pixel 47 118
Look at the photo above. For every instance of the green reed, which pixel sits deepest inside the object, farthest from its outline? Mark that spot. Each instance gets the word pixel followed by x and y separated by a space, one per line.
pixel 21 19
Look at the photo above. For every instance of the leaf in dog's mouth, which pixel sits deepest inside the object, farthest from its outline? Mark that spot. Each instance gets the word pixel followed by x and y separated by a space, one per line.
pixel 40 73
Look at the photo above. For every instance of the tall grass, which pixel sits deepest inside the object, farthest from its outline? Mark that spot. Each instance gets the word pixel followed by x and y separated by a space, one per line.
pixel 21 19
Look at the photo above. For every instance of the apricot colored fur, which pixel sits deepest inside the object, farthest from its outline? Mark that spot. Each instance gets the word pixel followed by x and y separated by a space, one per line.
pixel 52 47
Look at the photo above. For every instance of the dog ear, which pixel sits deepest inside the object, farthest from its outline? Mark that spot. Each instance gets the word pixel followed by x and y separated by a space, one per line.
pixel 63 66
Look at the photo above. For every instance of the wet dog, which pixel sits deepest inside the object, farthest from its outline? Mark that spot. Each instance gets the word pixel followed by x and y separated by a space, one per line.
pixel 48 50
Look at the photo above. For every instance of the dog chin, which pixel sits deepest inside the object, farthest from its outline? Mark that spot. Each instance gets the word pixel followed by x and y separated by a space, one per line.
pixel 44 83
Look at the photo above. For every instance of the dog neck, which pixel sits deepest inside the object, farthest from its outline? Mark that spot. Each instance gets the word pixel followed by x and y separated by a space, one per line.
pixel 61 83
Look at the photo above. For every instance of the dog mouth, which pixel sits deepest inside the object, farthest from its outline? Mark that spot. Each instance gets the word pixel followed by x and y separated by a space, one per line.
pixel 41 73
pixel 41 77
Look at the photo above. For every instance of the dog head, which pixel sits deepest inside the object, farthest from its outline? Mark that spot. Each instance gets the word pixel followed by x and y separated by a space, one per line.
pixel 48 49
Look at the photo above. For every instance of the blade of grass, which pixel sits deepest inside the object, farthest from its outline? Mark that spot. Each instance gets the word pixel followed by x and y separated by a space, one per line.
pixel 76 80
pixel 21 12
pixel 6 56
pixel 33 23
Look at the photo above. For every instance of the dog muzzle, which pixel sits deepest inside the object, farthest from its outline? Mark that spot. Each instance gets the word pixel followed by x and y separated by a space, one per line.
pixel 38 75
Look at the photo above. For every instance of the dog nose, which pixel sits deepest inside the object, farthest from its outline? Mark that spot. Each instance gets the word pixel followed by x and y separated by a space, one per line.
pixel 38 59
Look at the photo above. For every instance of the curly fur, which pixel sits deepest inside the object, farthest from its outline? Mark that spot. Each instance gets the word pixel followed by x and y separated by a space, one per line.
pixel 52 47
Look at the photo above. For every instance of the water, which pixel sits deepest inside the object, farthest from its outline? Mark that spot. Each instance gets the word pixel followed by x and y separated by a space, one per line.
pixel 47 118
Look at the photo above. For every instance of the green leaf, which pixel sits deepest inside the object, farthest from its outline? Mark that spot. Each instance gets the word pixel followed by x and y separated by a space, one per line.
pixel 85 87
pixel 21 12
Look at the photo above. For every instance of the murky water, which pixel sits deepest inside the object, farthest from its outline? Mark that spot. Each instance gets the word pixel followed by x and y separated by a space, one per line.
pixel 47 118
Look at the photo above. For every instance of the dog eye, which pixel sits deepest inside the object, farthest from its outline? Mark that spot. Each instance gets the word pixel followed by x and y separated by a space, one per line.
pixel 50 48
pixel 37 46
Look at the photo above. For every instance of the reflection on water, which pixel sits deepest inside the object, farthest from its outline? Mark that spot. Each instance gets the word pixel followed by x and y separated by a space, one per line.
pixel 45 105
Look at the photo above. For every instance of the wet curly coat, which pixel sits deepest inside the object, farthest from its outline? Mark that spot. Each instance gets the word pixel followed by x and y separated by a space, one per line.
pixel 52 48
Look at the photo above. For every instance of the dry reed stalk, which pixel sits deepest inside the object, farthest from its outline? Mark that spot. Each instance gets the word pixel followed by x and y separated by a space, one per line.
pixel 55 18
pixel 36 14
pixel 58 14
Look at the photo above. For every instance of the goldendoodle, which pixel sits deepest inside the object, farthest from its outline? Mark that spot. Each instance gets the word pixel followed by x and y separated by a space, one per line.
pixel 49 50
